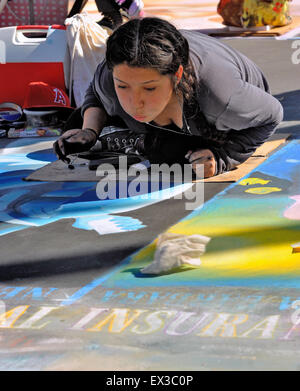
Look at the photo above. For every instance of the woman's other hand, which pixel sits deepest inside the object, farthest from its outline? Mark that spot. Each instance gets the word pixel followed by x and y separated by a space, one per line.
pixel 205 157
pixel 74 141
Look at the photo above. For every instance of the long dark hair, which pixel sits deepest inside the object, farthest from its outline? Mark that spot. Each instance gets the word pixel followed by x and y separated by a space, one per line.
pixel 152 43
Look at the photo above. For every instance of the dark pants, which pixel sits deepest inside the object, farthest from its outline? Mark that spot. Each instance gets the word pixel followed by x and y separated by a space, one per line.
pixel 107 6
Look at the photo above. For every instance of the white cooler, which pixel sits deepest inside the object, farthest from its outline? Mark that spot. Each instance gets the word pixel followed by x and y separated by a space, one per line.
pixel 32 53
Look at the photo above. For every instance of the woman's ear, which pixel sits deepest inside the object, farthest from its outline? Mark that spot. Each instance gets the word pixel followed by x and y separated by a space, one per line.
pixel 178 74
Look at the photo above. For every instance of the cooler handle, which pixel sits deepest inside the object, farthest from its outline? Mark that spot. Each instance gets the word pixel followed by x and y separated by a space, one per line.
pixel 21 38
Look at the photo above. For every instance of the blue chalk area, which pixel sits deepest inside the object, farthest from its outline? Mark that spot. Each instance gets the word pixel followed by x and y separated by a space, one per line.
pixel 122 223
pixel 86 289
pixel 46 155
pixel 127 223
pixel 8 166
pixel 10 182
pixel 36 208
pixel 30 160
pixel 280 164
pixel 83 223
pixel 21 204
pixel 23 142
pixel 66 193
pixel 88 192
pixel 117 206
pixel 141 280
pixel 30 213
pixel 6 200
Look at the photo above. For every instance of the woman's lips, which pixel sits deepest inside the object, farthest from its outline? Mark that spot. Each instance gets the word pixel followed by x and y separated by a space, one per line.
pixel 139 117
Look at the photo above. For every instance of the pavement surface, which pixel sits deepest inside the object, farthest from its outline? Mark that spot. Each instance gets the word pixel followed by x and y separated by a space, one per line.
pixel 72 294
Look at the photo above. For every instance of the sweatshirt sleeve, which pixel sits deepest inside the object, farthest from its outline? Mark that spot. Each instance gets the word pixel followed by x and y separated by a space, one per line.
pixel 91 98
pixel 249 107
pixel 250 118
pixel 240 145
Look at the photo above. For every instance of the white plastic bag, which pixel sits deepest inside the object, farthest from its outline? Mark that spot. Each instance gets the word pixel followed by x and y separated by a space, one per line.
pixel 174 250
pixel 87 45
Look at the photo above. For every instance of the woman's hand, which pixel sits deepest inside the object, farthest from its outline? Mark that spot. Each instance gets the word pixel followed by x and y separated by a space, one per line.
pixel 205 157
pixel 74 141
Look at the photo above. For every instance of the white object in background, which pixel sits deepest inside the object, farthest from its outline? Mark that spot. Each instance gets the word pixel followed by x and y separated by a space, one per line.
pixel 174 250
pixel 2 4
pixel 87 45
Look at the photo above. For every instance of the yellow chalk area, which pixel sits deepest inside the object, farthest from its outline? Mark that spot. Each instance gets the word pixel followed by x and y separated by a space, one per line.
pixel 241 246
pixel 262 190
pixel 146 253
pixel 240 252
pixel 253 181
pixel 245 251
pixel 254 260
pixel 275 260
pixel 223 226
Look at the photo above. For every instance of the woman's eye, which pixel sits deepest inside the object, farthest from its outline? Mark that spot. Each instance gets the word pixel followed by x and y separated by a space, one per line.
pixel 150 89
pixel 122 87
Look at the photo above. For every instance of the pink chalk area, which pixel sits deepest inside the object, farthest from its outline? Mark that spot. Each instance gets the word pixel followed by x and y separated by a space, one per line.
pixel 293 212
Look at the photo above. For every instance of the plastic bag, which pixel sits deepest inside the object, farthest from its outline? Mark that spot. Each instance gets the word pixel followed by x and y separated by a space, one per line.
pixel 87 45
pixel 175 250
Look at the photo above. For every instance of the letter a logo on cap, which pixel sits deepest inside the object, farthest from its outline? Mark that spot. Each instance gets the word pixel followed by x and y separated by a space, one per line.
pixel 59 97
pixel 40 94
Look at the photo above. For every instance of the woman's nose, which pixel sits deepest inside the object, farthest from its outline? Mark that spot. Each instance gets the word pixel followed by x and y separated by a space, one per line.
pixel 137 100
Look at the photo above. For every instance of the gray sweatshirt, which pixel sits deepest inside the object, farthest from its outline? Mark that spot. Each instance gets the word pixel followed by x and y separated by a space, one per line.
pixel 232 93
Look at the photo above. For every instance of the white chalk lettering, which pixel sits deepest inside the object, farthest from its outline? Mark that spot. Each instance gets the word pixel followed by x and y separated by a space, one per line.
pixel 118 320
pixel 8 319
pixel 154 322
pixel 266 326
pixel 183 316
pixel 228 329
pixel 29 323
pixel 87 318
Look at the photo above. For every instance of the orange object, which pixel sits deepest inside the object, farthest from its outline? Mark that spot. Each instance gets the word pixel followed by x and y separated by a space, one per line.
pixel 254 13
pixel 296 248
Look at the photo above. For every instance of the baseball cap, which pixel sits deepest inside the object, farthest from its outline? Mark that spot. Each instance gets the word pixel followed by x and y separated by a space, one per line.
pixel 42 95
